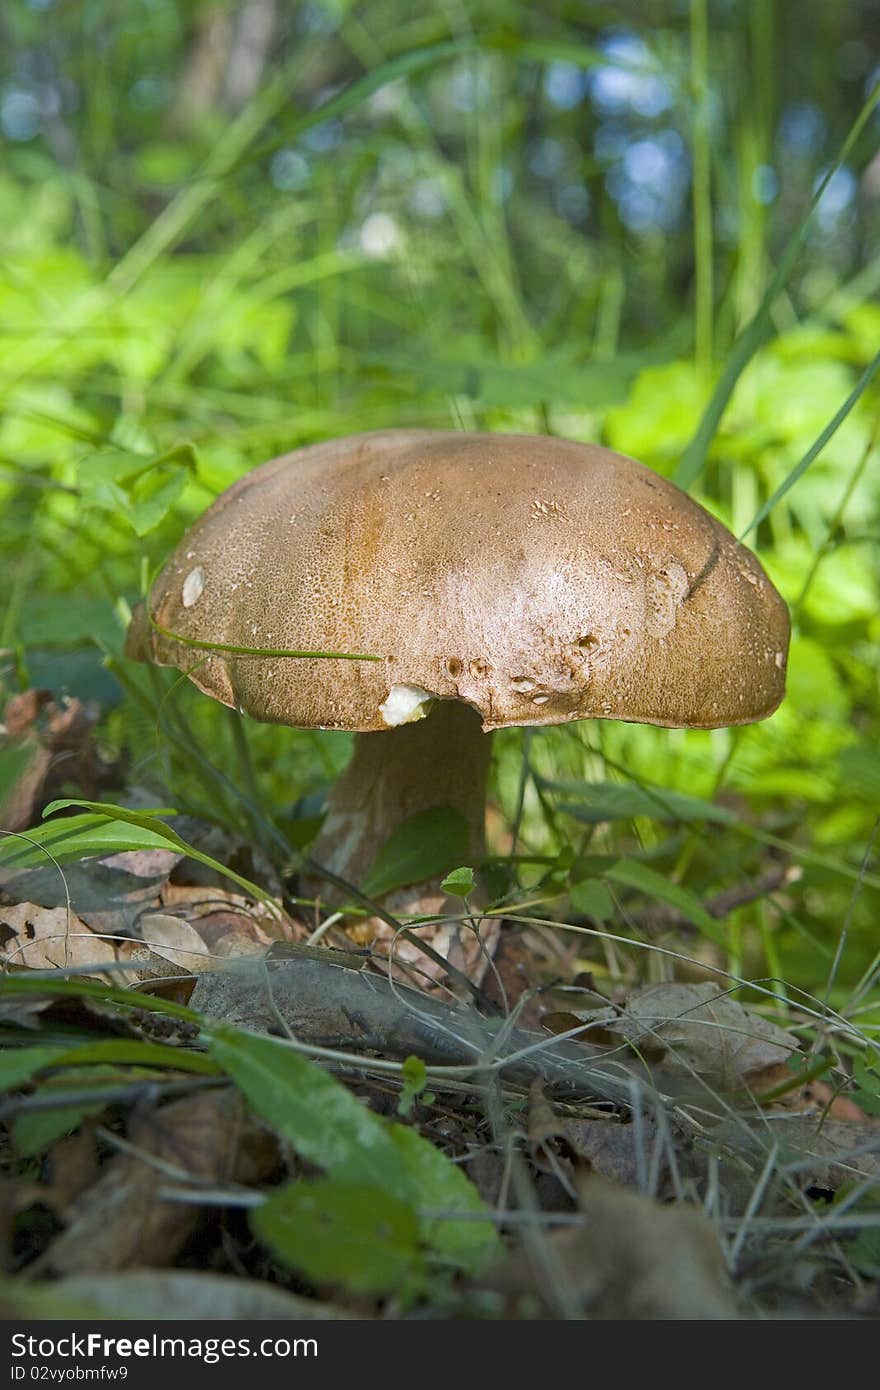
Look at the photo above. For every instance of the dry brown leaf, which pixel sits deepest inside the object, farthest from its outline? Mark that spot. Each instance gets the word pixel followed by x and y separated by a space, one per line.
pixel 634 1258
pixel 160 1294
pixel 23 1012
pixel 834 1103
pixel 638 1259
pixel 108 893
pixel 696 1029
pixel 175 940
pixel 612 1149
pixel 513 975
pixel 172 945
pixel 486 1172
pixel 543 1124
pixel 50 938
pixel 235 943
pixel 831 1152
pixel 16 1195
pixel 59 737
pixel 18 809
pixel 122 1223
pixel 216 911
pixel 72 1165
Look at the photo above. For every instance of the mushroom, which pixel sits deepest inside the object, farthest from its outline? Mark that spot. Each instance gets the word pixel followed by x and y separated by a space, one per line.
pixel 500 580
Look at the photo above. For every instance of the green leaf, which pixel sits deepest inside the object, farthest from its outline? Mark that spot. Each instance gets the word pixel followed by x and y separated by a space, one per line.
pixel 141 489
pixel 632 873
pixel 591 898
pixel 459 883
pixel 609 801
pixel 108 829
pixel 75 837
pixel 328 1126
pixel 414 1078
pixel 313 1111
pixel 435 1183
pixel 18 1065
pixel 344 1233
pixel 14 758
pixel 760 327
pixel 467 369
pixel 152 498
pixel 35 1130
pixel 816 448
pixel 864 1252
pixel 867 1081
pixel 130 1051
pixel 859 771
pixel 423 847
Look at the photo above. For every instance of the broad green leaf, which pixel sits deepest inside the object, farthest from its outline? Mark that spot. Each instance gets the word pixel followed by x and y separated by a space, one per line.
pixel 35 1130
pixel 435 1184
pixel 608 801
pixel 18 1065
pixel 864 1251
pixel 428 844
pixel 111 829
pixel 14 758
pixel 92 1068
pixel 328 1126
pixel 468 370
pixel 632 873
pixel 151 499
pixel 75 837
pixel 142 489
pixel 859 772
pixel 867 1079
pixel 657 419
pixel 816 448
pixel 459 883
pixel 315 1113
pixel 591 898
pixel 48 620
pixel 344 1233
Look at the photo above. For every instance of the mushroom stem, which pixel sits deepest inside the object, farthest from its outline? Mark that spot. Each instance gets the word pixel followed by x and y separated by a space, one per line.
pixel 441 760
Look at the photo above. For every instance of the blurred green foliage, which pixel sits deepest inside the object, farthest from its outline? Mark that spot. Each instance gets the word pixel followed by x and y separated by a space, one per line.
pixel 484 215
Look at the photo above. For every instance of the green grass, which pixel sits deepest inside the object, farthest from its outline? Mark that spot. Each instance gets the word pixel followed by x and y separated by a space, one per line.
pixel 170 317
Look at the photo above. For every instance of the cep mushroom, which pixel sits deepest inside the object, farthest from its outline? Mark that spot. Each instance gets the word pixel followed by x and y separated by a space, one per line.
pixel 502 580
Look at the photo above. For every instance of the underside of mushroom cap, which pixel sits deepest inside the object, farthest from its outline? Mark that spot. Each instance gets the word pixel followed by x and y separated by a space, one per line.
pixel 538 580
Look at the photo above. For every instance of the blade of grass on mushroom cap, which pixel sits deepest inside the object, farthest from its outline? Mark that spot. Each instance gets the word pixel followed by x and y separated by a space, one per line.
pixel 753 336
pixel 258 651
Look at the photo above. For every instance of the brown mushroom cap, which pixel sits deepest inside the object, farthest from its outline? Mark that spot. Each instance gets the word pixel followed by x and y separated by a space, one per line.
pixel 536 579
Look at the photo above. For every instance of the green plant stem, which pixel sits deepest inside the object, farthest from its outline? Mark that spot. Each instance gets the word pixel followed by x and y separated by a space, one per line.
pixel 702 195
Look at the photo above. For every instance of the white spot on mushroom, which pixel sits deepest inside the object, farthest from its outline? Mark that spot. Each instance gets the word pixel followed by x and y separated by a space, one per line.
pixel 522 684
pixel 404 705
pixel 780 660
pixel 193 586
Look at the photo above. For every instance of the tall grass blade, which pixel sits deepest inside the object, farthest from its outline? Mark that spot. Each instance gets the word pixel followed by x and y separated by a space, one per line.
pixel 816 448
pixel 745 347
